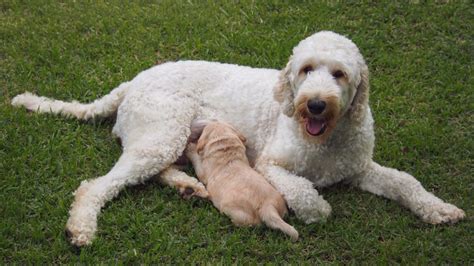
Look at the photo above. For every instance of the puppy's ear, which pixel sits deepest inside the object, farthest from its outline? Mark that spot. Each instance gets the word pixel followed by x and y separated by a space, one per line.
pixel 241 136
pixel 237 132
pixel 361 98
pixel 197 126
pixel 283 92
pixel 200 146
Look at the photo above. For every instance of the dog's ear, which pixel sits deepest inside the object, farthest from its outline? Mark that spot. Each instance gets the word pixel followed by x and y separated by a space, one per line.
pixel 197 126
pixel 361 98
pixel 283 92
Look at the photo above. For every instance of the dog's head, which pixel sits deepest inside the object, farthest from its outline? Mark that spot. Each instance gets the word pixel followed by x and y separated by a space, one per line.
pixel 325 79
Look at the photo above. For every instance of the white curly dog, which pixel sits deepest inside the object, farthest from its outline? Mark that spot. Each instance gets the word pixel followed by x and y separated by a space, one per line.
pixel 307 125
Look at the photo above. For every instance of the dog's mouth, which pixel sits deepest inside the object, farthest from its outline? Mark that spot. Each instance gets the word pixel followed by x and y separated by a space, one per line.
pixel 315 127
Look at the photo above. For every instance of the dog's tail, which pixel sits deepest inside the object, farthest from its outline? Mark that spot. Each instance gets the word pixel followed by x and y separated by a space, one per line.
pixel 272 219
pixel 102 107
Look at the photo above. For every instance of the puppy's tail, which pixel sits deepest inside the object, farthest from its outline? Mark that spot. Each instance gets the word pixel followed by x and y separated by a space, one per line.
pixel 272 219
pixel 102 107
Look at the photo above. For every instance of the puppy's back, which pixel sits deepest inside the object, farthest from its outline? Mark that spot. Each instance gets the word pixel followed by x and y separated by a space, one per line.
pixel 253 200
pixel 234 187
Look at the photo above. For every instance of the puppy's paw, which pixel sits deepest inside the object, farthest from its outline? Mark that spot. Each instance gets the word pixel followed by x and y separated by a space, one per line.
pixel 187 191
pixel 440 213
pixel 201 191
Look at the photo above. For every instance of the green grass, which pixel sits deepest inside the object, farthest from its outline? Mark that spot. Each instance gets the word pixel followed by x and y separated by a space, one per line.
pixel 420 57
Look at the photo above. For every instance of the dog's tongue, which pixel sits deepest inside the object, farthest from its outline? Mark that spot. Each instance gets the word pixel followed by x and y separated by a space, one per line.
pixel 314 126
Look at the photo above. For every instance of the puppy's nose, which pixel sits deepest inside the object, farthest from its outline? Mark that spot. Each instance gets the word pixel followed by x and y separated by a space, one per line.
pixel 316 106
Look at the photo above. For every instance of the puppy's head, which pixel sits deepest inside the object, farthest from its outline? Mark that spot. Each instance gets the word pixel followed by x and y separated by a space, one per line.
pixel 216 135
pixel 325 79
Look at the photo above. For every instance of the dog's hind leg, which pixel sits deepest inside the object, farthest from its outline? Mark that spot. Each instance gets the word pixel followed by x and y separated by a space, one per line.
pixel 145 156
pixel 92 195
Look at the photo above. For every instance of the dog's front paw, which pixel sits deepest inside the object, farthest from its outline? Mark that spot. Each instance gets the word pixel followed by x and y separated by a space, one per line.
pixel 440 213
pixel 310 207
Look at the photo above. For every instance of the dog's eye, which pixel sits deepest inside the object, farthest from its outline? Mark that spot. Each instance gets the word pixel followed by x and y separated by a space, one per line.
pixel 338 74
pixel 307 69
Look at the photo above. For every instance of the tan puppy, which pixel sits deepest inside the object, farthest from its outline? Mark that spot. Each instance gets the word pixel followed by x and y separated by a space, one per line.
pixel 234 187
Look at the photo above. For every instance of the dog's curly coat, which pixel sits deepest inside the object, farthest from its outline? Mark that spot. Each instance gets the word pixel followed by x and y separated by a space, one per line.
pixel 319 131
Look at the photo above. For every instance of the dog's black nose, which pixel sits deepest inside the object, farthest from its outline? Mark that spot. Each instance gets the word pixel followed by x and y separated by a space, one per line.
pixel 316 106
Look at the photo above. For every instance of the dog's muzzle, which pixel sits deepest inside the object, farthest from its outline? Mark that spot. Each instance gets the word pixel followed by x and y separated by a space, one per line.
pixel 315 126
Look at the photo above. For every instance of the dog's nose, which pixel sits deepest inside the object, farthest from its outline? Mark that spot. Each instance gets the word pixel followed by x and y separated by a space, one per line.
pixel 316 106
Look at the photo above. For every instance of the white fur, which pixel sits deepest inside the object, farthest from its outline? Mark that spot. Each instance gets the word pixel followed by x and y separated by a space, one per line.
pixel 155 110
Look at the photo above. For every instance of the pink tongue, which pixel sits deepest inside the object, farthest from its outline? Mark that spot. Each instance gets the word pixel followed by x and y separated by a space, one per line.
pixel 314 126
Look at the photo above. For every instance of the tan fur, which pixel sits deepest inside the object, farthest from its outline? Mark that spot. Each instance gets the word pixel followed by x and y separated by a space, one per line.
pixel 187 186
pixel 233 186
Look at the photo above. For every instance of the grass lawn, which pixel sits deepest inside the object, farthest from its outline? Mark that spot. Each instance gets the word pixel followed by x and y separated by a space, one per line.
pixel 422 96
